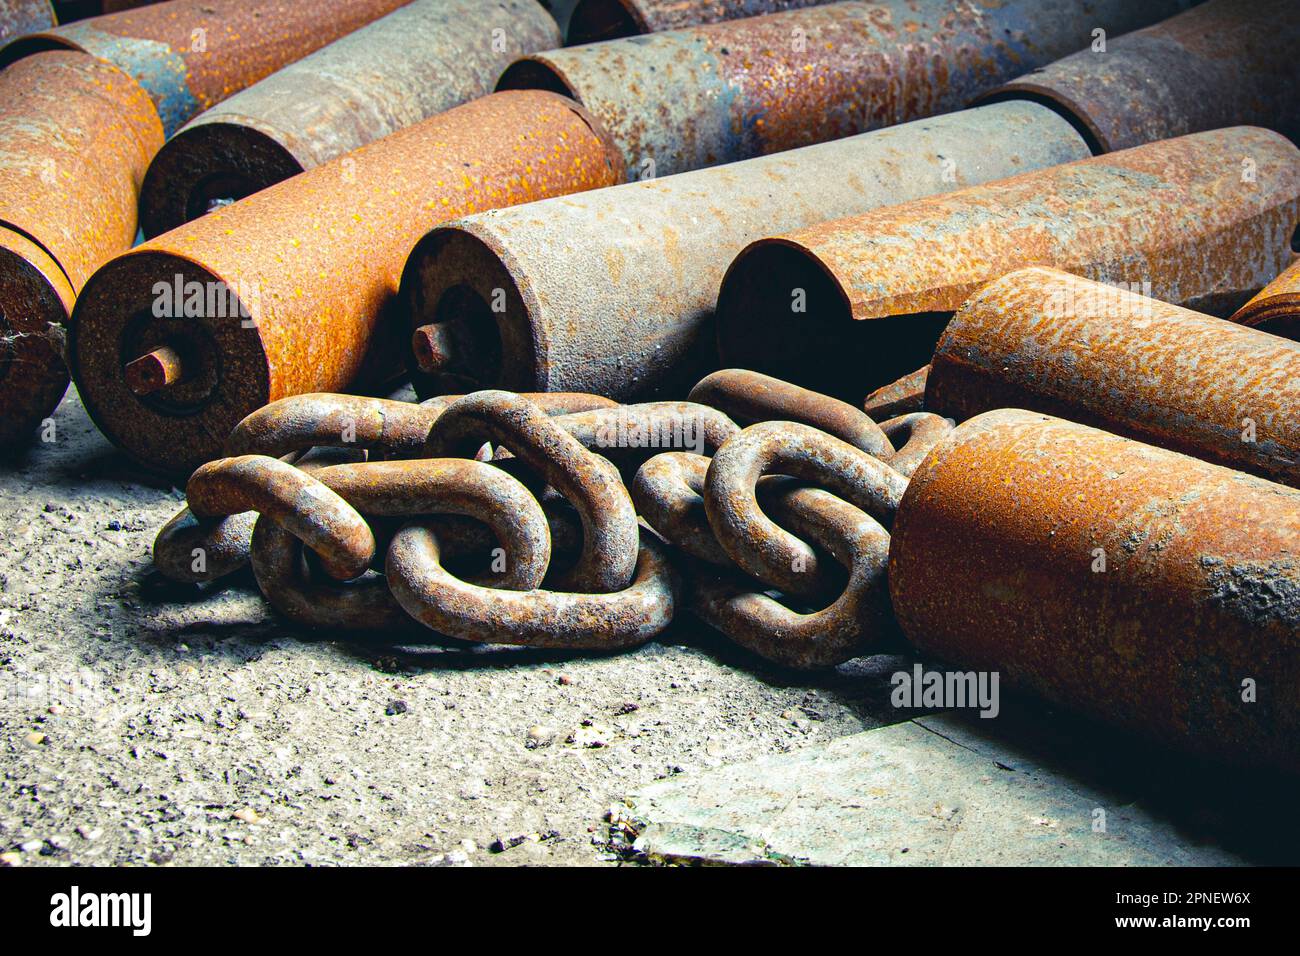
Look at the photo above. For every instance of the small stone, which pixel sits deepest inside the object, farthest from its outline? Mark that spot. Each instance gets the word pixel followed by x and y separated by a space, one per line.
pixel 34 739
pixel 32 846
pixel 396 707
pixel 247 815
pixel 10 858
pixel 56 709
pixel 564 680
pixel 89 833
pixel 539 736
pixel 469 846
pixel 627 707
pixel 458 858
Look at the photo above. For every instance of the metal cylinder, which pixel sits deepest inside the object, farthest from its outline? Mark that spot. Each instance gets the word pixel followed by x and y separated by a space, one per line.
pixel 718 93
pixel 613 291
pixel 1277 307
pixel 189 55
pixel 1101 355
pixel 846 306
pixel 291 290
pixel 18 17
pixel 356 90
pixel 75 137
pixel 1222 63
pixel 593 21
pixel 1131 583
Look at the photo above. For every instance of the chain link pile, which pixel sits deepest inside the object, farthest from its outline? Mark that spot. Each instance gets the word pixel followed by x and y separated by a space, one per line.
pixel 564 520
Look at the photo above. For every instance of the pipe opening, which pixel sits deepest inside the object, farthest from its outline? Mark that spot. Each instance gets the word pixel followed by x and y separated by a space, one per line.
pixel 1295 239
pixel 467 333
pixel 535 75
pixel 217 191
pixel 781 313
pixel 594 21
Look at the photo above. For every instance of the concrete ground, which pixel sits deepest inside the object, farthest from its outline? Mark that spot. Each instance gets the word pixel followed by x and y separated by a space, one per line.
pixel 143 723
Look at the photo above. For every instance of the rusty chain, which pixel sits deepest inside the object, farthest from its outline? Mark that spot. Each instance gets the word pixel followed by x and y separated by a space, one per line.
pixel 526 519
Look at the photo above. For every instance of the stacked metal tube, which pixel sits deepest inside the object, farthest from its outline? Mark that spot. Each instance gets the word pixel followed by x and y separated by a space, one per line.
pixel 290 290
pixel 419 60
pixel 727 91
pixel 191 54
pixel 77 136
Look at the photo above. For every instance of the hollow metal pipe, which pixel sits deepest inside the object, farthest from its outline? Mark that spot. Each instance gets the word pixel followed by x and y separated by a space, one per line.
pixel 1139 586
pixel 613 291
pixel 1277 307
pixel 291 290
pixel 1052 342
pixel 1221 63
pixel 191 54
pixel 76 135
pixel 846 306
pixel 697 97
pixel 419 60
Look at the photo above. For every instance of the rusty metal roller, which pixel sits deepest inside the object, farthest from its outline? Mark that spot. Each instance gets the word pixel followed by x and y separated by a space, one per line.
pixel 596 20
pixel 1105 356
pixel 847 306
pixel 189 55
pixel 417 61
pixel 1277 308
pixel 714 94
pixel 18 17
pixel 283 293
pixel 1137 585
pixel 76 135
pixel 1222 63
pixel 613 291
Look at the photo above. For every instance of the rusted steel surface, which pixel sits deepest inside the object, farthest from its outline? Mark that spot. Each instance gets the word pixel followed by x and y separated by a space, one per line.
pixel 593 21
pixel 902 397
pixel 1221 63
pixel 718 93
pixel 18 17
pixel 613 291
pixel 1277 307
pixel 35 300
pixel 75 137
pixel 298 277
pixel 996 564
pixel 1176 217
pixel 417 61
pixel 1056 343
pixel 191 54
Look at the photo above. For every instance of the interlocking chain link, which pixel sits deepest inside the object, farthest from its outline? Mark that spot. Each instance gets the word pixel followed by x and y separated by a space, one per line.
pixel 527 519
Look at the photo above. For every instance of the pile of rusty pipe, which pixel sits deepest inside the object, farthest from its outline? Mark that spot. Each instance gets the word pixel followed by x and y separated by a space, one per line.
pixel 417 61
pixel 593 21
pixel 706 95
pixel 1277 307
pixel 19 17
pixel 282 293
pixel 613 291
pixel 76 135
pixel 1131 583
pixel 189 55
pixel 1221 63
pixel 1056 343
pixel 847 306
